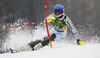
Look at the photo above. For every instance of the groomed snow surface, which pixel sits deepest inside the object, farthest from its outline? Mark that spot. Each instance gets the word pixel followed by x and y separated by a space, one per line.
pixel 60 51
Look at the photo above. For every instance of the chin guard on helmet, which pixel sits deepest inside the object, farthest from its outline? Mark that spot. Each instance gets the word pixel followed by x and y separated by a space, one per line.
pixel 60 16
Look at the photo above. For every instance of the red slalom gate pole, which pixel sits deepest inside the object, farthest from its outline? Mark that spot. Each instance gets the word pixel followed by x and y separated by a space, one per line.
pixel 19 25
pixel 46 23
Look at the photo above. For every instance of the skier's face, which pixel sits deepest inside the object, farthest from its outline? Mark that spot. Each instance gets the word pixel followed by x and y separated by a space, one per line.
pixel 58 12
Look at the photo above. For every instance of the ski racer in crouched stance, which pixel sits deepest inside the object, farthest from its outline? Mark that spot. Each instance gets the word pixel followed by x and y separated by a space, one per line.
pixel 58 32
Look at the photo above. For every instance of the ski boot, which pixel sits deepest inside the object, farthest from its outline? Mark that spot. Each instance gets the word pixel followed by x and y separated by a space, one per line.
pixel 39 44
pixel 33 43
pixel 12 51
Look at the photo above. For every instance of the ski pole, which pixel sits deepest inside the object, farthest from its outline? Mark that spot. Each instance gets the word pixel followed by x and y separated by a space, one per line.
pixel 23 25
pixel 48 21
pixel 92 38
pixel 19 25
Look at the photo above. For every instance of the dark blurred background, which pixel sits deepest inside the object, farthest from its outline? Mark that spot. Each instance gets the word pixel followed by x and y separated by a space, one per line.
pixel 80 12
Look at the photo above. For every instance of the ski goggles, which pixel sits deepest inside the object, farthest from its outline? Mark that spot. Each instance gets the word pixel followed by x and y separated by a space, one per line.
pixel 58 11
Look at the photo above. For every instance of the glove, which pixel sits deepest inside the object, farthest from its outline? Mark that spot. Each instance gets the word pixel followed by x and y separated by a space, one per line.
pixel 80 42
pixel 50 19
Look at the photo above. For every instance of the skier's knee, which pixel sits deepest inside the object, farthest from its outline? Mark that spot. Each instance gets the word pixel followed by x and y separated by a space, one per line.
pixel 46 41
pixel 53 36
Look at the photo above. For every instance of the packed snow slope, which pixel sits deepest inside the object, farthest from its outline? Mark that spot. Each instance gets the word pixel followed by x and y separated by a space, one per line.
pixel 65 51
pixel 20 36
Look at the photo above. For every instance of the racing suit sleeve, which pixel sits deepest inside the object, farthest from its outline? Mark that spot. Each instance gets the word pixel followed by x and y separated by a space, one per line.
pixel 72 28
pixel 50 15
pixel 50 18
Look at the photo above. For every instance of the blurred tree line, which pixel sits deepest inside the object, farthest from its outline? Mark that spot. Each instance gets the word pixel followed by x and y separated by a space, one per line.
pixel 80 11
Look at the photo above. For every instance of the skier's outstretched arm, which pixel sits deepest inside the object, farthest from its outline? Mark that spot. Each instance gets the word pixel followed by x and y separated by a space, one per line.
pixel 73 29
pixel 50 18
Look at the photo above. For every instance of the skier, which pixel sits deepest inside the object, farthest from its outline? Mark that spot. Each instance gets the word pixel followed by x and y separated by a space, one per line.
pixel 59 31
